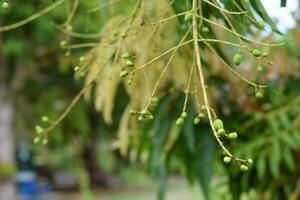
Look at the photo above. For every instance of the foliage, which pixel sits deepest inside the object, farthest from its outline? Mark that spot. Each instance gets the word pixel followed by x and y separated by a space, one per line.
pixel 173 61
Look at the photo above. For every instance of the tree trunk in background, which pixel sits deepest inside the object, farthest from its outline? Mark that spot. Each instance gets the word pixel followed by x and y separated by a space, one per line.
pixel 7 155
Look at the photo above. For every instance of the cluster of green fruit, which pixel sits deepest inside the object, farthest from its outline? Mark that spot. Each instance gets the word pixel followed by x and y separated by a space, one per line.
pixel 5 5
pixel 145 113
pixel 129 66
pixel 237 58
pixel 219 126
pixel 41 137
pixel 82 59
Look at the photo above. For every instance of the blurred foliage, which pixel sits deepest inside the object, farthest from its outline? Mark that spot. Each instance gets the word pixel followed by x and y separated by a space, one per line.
pixel 41 79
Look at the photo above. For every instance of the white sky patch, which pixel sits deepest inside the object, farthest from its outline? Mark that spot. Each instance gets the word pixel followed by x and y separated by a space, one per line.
pixel 282 16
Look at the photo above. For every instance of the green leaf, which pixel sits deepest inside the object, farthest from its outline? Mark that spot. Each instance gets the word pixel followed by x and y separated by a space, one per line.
pixel 274 158
pixel 284 119
pixel 283 3
pixel 296 136
pixel 288 158
pixel 162 182
pixel 273 123
pixel 289 140
pixel 188 129
pixel 261 167
pixel 261 11
pixel 206 148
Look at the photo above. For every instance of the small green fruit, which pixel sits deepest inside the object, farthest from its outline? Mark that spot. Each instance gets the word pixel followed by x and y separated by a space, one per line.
pixel 154 100
pixel 129 82
pixel 256 53
pixel 261 25
pixel 265 54
pixel 227 159
pixel 63 44
pixel 244 168
pixel 45 141
pixel 141 118
pixel 260 68
pixel 123 73
pixel 179 121
pixel 76 68
pixel 221 131
pixel 188 16
pixel 39 129
pixel 259 95
pixel 45 119
pixel 237 58
pixel 203 107
pixel 250 161
pixel 184 114
pixel 123 35
pixel 144 112
pixel 5 5
pixel 218 124
pixel 69 28
pixel 232 135
pixel 68 53
pixel 196 120
pixel 201 115
pixel 129 63
pixel 132 112
pixel 81 59
pixel 205 29
pixel 151 117
pixel 125 55
pixel 36 140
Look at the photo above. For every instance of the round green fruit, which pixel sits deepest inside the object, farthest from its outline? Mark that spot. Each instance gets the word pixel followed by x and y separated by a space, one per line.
pixel 196 120
pixel 45 119
pixel 261 25
pixel 5 5
pixel 179 121
pixel 256 53
pixel 129 63
pixel 221 131
pixel 144 112
pixel 259 95
pixel 260 68
pixel 250 161
pixel 218 124
pixel 232 135
pixel 125 55
pixel 265 54
pixel 237 58
pixel 205 29
pixel 123 73
pixel 184 114
pixel 188 16
pixel 244 168
pixel 227 159
pixel 36 140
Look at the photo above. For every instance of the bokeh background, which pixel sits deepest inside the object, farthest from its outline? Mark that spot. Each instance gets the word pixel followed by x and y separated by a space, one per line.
pixel 82 160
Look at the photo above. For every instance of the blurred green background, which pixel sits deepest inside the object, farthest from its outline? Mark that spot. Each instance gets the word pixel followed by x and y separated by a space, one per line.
pixel 82 161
